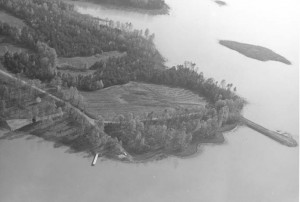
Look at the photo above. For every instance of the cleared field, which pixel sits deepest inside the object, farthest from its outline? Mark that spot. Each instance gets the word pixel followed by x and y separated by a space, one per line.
pixel 80 65
pixel 11 20
pixel 82 62
pixel 140 98
pixel 76 72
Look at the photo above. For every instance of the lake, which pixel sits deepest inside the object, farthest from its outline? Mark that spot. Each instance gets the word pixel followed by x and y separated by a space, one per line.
pixel 248 167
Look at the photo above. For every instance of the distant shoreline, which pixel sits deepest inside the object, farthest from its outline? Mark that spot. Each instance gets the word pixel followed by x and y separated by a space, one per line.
pixel 163 11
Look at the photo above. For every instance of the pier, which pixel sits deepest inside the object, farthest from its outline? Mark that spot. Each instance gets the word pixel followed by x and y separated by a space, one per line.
pixel 285 140
pixel 95 159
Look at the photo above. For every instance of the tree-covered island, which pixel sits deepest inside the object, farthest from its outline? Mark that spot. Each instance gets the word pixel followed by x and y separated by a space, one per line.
pixel 35 87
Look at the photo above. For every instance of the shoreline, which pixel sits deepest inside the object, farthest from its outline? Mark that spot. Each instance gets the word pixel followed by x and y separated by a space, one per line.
pixel 158 154
pixel 217 139
pixel 163 11
pixel 190 151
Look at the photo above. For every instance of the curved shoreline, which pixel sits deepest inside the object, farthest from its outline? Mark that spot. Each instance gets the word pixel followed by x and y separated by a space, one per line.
pixel 191 149
pixel 217 139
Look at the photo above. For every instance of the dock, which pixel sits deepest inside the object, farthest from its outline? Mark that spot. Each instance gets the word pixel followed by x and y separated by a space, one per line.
pixel 285 140
pixel 95 159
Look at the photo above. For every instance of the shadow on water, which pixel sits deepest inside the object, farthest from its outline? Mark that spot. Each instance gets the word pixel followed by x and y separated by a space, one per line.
pixel 10 135
pixel 76 146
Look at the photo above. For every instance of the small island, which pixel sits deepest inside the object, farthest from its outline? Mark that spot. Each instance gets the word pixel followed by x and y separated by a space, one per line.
pixel 221 3
pixel 254 51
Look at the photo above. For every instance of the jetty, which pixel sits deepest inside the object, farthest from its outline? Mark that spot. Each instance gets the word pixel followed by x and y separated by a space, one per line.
pixel 95 159
pixel 279 137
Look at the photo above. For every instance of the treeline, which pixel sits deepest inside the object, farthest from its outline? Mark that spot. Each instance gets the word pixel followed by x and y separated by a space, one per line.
pixel 40 65
pixel 116 71
pixel 84 83
pixel 139 137
pixel 93 137
pixel 173 132
pixel 144 4
pixel 186 76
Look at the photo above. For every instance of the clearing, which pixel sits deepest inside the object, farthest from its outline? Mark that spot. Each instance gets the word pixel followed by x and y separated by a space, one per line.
pixel 140 99
pixel 11 20
pixel 86 62
pixel 81 65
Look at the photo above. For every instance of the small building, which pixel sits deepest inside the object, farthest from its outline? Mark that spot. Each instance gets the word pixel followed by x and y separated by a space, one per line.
pixel 38 100
pixel 4 124
pixel 95 159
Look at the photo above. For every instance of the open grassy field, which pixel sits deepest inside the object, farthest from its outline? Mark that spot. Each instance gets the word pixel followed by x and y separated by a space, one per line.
pixel 140 98
pixel 81 62
pixel 81 65
pixel 11 20
pixel 76 72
